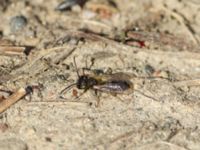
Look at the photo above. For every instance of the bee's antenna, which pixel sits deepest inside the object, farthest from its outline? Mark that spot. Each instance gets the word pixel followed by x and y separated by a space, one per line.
pixel 66 89
pixel 76 67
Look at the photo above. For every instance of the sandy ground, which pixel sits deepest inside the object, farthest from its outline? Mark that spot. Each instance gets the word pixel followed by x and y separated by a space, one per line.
pixel 155 42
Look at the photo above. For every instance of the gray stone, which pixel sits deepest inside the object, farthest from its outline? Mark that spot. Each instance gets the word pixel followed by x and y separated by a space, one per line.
pixel 17 23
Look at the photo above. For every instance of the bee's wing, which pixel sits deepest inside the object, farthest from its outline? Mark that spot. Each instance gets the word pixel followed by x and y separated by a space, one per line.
pixel 115 76
pixel 115 87
pixel 118 83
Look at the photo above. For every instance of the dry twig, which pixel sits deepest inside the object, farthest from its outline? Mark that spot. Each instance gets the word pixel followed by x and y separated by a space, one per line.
pixel 62 56
pixel 12 50
pixel 16 96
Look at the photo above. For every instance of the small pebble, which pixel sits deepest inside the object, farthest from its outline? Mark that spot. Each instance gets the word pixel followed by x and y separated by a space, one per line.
pixel 67 4
pixel 17 23
pixel 149 69
pixel 48 139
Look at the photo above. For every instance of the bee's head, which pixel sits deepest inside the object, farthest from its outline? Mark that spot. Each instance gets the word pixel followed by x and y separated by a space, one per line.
pixel 82 82
pixel 85 82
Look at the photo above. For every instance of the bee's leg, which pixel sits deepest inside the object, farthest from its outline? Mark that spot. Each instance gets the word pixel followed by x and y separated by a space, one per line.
pixel 96 95
pixel 115 95
pixel 85 90
pixel 98 98
pixel 120 99
pixel 98 102
pixel 130 93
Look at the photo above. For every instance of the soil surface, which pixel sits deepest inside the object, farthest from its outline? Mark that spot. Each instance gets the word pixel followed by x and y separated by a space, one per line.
pixel 154 44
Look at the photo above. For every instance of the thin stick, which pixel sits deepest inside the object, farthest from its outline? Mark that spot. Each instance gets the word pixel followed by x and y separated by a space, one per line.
pixel 62 56
pixel 193 82
pixel 12 50
pixel 5 104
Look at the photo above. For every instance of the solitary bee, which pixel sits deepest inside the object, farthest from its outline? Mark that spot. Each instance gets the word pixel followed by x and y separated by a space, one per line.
pixel 117 83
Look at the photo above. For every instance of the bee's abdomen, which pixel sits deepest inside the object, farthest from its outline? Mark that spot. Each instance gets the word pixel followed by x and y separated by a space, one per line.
pixel 116 86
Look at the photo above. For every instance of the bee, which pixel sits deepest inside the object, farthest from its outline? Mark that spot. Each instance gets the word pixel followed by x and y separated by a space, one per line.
pixel 113 83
